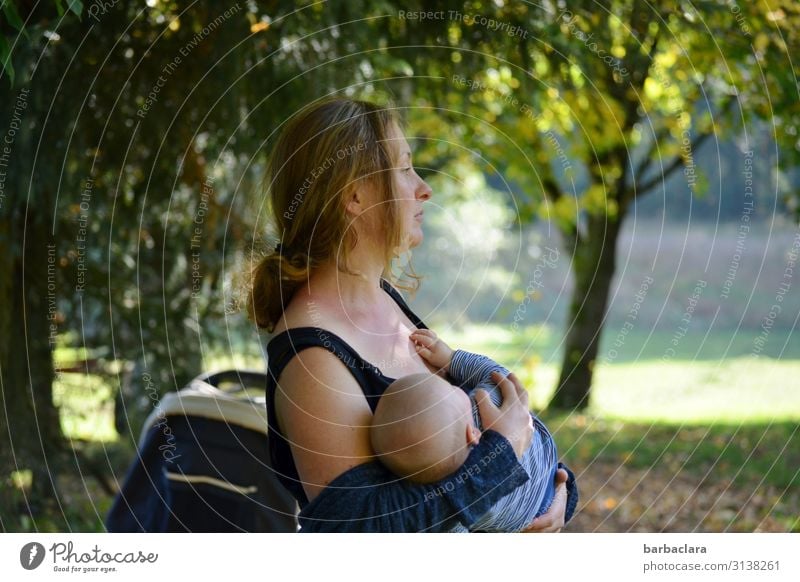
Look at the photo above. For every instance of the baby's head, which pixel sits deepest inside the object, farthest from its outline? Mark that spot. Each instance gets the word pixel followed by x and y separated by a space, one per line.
pixel 423 427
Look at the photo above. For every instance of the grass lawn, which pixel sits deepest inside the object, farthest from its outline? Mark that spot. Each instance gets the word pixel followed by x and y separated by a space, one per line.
pixel 87 407
pixel 685 388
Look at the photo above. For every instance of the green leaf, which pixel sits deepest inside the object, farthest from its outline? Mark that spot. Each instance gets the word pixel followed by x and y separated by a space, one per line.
pixel 12 15
pixel 60 8
pixel 76 6
pixel 5 59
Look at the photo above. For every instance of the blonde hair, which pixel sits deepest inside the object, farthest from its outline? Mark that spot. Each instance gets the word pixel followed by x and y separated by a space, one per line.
pixel 320 155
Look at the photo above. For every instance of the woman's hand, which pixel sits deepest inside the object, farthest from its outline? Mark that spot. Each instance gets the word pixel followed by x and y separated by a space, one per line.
pixel 553 519
pixel 512 419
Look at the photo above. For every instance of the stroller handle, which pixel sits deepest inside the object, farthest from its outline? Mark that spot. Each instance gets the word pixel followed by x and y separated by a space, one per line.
pixel 244 378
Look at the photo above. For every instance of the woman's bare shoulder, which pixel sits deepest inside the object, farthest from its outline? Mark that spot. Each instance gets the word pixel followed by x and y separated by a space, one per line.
pixel 302 313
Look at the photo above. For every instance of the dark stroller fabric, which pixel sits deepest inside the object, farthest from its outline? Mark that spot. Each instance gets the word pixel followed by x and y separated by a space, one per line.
pixel 203 465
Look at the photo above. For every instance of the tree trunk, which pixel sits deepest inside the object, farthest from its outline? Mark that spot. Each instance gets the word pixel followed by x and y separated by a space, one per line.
pixel 6 457
pixel 593 259
pixel 31 430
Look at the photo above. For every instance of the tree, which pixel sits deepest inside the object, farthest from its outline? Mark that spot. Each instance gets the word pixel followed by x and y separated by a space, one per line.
pixel 29 423
pixel 592 107
pixel 670 81
pixel 129 186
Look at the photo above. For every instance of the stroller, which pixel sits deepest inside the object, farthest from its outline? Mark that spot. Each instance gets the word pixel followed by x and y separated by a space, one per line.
pixel 203 464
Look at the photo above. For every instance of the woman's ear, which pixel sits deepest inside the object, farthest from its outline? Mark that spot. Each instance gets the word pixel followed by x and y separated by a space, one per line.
pixel 354 203
pixel 357 199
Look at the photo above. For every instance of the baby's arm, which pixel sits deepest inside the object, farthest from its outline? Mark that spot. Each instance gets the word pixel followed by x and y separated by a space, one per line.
pixel 474 371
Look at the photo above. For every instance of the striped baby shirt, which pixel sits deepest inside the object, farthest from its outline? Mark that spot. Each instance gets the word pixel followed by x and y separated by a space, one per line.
pixel 518 509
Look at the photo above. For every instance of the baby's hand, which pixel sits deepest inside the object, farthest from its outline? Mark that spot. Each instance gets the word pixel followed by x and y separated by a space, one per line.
pixel 430 347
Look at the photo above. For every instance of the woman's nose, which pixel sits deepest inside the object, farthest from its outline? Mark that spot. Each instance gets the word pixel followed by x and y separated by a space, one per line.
pixel 424 191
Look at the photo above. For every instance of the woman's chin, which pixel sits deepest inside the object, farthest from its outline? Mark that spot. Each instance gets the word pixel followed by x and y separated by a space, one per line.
pixel 412 240
pixel 416 237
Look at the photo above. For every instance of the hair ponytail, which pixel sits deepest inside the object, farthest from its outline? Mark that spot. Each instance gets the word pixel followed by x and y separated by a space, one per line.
pixel 274 279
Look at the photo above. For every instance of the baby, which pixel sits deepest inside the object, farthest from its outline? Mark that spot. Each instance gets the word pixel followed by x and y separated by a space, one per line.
pixel 424 426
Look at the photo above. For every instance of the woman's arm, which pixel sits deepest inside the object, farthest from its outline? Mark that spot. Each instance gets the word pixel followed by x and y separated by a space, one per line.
pixel 323 414
pixel 326 419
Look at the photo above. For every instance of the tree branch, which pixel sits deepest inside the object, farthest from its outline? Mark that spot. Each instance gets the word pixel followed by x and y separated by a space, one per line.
pixel 651 53
pixel 645 161
pixel 678 161
pixel 551 188
pixel 671 167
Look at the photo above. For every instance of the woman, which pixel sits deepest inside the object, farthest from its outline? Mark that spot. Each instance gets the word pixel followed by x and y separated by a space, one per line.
pixel 346 201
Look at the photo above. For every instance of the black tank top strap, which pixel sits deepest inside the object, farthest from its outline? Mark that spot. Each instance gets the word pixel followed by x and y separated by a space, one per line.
pixel 395 294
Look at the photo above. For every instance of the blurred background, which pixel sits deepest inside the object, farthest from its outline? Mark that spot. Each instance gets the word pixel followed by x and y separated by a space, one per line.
pixel 614 218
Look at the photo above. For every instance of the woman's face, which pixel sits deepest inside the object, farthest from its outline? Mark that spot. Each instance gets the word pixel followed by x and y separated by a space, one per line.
pixel 411 190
